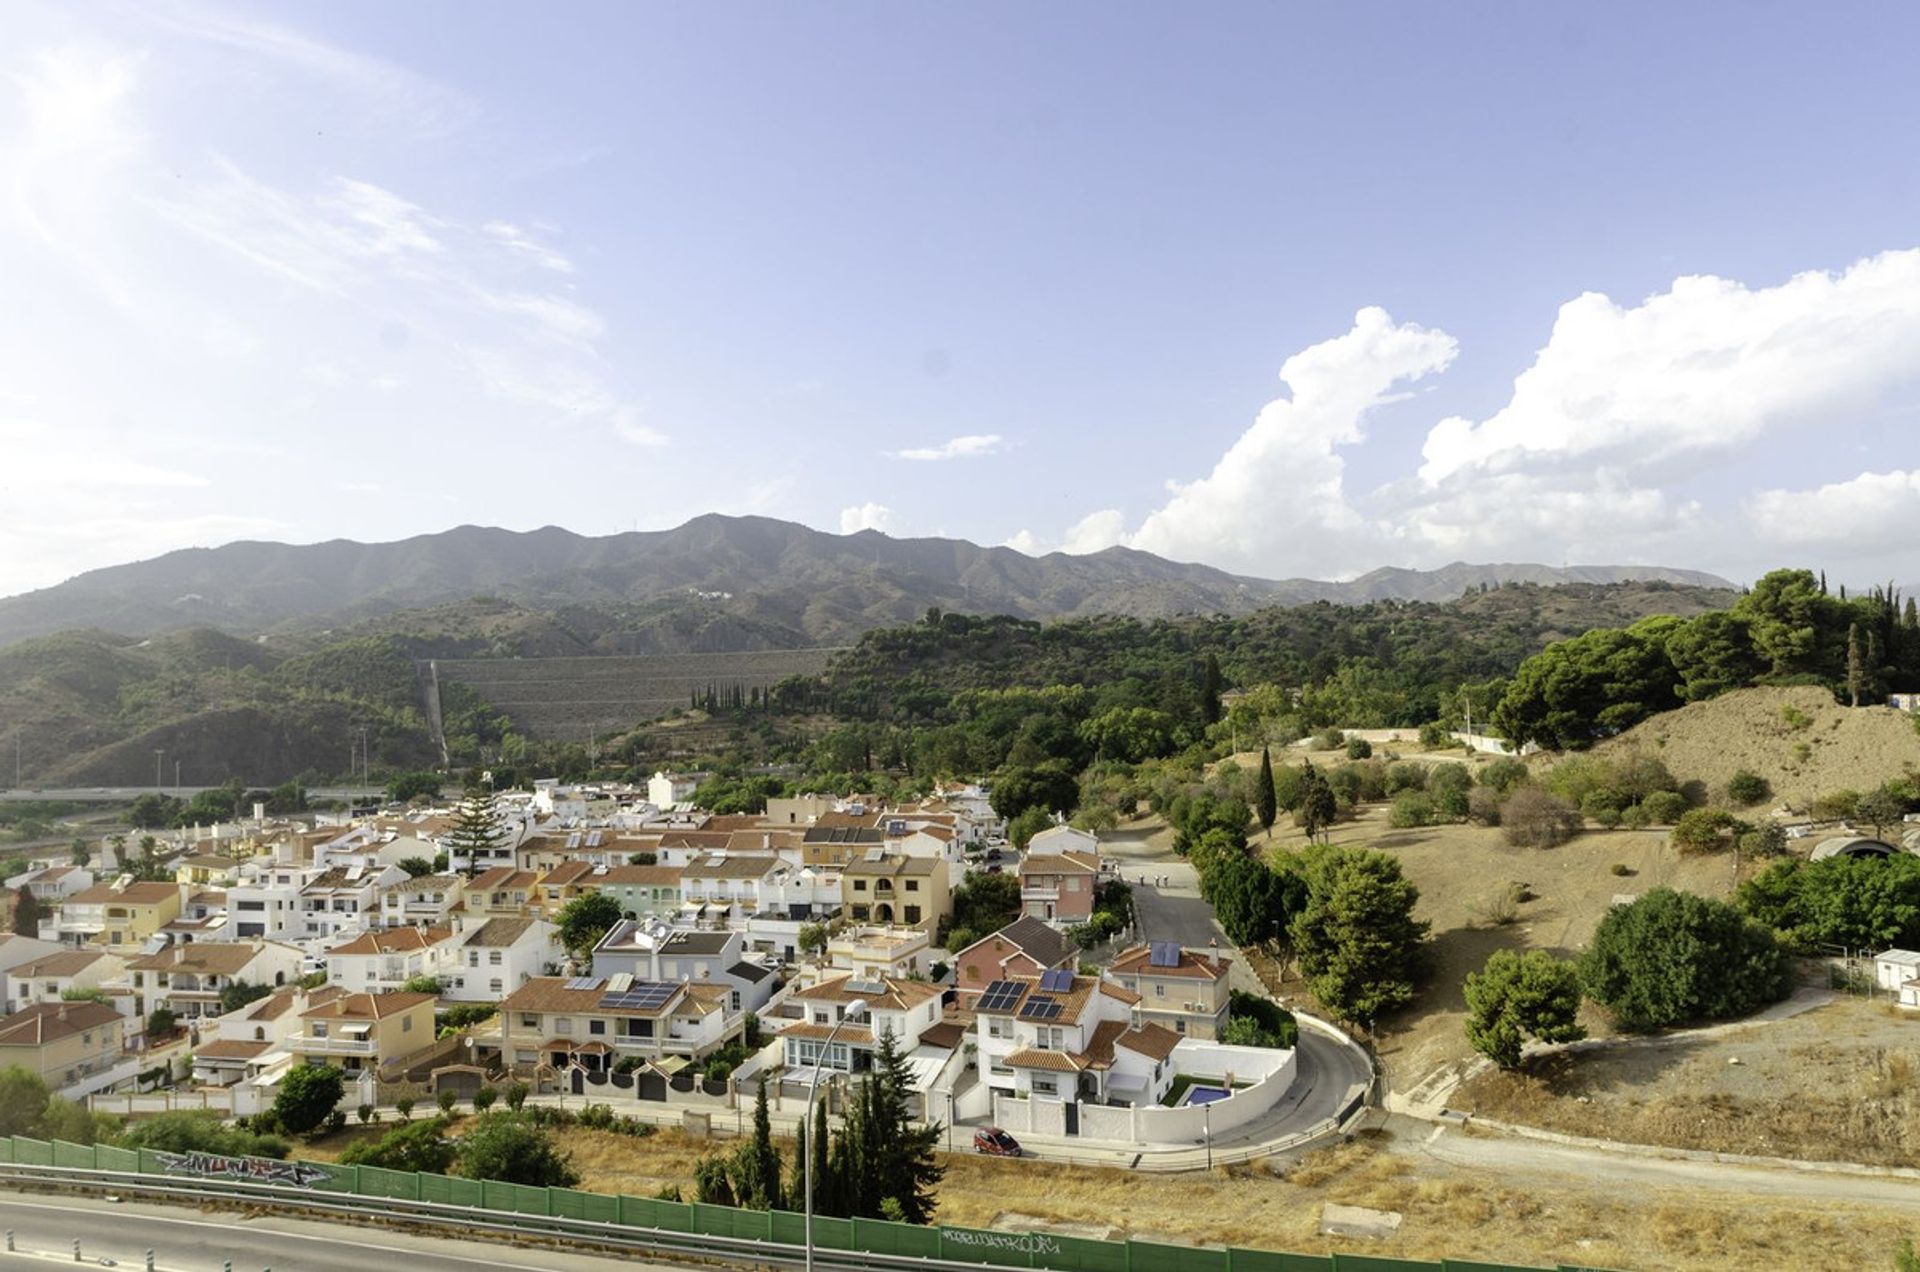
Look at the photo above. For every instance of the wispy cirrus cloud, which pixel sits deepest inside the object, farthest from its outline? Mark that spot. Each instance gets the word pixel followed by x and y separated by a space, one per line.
pixel 971 446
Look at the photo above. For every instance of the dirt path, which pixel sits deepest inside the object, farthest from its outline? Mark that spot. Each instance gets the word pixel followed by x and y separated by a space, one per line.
pixel 1528 1159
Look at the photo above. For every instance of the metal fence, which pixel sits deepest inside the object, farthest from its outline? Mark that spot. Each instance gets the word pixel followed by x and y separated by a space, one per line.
pixel 976 1246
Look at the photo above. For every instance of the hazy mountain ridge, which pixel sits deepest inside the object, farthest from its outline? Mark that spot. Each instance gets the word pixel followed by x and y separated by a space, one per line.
pixel 737 582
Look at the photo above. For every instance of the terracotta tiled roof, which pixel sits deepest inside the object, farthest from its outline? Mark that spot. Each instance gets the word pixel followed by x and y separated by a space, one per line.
pixel 399 940
pixel 66 963
pixel 1100 1046
pixel 365 1006
pixel 820 1033
pixel 895 995
pixel 550 994
pixel 1194 966
pixel 1036 1058
pixel 945 1034
pixel 1156 1042
pixel 209 958
pixel 743 866
pixel 134 893
pixel 230 1049
pixel 48 1022
pixel 501 878
pixel 502 932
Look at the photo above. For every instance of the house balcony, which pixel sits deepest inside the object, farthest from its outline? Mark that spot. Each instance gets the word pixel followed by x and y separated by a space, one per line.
pixel 1040 894
pixel 310 1045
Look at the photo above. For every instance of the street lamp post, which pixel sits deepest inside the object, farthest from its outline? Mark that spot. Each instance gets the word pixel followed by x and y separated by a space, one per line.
pixel 1206 1119
pixel 858 1007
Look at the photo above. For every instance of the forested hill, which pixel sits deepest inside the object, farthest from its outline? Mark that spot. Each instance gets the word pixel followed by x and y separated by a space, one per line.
pixel 716 583
pixel 1383 663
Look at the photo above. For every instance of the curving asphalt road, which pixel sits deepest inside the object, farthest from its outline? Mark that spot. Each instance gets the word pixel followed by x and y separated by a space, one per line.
pixel 119 1235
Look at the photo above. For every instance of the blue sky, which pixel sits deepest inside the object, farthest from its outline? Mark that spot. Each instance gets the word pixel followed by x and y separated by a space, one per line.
pixel 1291 290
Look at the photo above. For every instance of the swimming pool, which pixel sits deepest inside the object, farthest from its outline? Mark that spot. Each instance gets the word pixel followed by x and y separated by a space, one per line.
pixel 1205 1095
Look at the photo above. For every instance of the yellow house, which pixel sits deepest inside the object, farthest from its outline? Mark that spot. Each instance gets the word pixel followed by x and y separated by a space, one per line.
pixel 115 914
pixel 364 1031
pixel 62 1042
pixel 205 870
pixel 892 889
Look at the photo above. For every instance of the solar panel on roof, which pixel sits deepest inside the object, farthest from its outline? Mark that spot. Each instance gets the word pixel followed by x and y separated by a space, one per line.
pixel 1000 995
pixel 1164 954
pixel 593 839
pixel 1057 981
pixel 1040 1007
pixel 573 841
pixel 584 982
pixel 644 996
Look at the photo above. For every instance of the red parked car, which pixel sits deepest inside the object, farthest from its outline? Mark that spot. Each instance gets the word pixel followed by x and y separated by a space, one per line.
pixel 995 1142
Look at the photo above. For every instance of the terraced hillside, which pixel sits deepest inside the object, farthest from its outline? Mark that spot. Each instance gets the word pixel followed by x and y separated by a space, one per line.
pixel 563 698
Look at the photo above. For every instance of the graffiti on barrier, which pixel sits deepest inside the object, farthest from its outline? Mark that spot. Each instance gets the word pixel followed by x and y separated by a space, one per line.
pixel 256 1170
pixel 1017 1242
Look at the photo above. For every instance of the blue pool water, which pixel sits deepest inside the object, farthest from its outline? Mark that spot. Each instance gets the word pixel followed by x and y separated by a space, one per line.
pixel 1205 1094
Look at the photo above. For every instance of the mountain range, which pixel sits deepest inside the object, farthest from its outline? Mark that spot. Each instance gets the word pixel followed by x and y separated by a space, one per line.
pixel 717 582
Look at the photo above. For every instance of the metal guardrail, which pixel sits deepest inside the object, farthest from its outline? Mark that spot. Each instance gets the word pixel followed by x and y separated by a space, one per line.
pixel 360 1208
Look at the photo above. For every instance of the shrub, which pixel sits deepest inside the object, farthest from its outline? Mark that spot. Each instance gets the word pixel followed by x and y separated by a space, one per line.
pixel 1673 957
pixel 508 1147
pixel 1622 869
pixel 198 1131
pixel 307 1096
pixel 1434 735
pixel 1331 739
pixel 1410 809
pixel 1746 787
pixel 446 1100
pixel 404 1108
pixel 1406 776
pixel 1483 806
pixel 483 1099
pixel 1520 995
pixel 1265 1021
pixel 1840 804
pixel 1359 749
pixel 1504 774
pixel 1663 808
pixel 1535 818
pixel 421 1146
pixel 1795 718
pixel 364 1113
pixel 1705 830
pixel 1764 841
pixel 517 1096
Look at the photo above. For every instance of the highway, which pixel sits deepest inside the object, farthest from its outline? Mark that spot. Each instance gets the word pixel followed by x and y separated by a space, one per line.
pixel 119 1235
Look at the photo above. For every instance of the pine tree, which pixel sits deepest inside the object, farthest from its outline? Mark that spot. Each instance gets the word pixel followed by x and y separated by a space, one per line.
pixel 1856 673
pixel 476 828
pixel 1318 807
pixel 1265 804
pixel 888 1158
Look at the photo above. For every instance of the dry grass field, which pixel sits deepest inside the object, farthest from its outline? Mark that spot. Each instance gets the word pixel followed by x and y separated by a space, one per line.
pixel 1448 1211
pixel 1799 739
pixel 1841 1083
pixel 1464 872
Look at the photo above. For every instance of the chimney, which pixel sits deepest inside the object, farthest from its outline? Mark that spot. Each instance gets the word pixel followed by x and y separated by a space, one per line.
pixel 1213 952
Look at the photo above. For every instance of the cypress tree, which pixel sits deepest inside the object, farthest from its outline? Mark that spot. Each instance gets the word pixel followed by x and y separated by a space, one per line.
pixel 757 1171
pixel 1265 804
pixel 1210 690
pixel 1856 674
pixel 1913 614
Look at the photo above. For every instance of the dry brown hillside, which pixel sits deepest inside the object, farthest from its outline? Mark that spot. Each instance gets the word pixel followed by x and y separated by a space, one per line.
pixel 1799 739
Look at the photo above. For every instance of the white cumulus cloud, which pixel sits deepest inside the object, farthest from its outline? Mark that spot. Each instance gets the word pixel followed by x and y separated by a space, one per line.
pixel 1871 513
pixel 971 446
pixel 866 516
pixel 1708 365
pixel 1278 498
